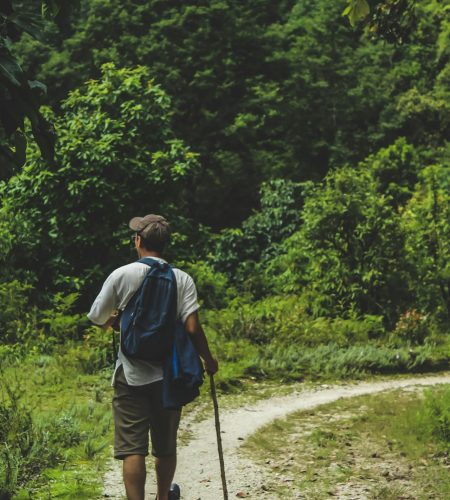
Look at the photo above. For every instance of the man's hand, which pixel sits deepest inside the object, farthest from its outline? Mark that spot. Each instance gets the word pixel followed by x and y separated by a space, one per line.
pixel 211 366
pixel 113 322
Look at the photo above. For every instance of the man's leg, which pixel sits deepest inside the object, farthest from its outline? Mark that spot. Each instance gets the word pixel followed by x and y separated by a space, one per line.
pixel 165 470
pixel 163 430
pixel 134 476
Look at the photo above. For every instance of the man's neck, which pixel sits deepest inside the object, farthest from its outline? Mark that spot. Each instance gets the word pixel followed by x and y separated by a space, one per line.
pixel 149 253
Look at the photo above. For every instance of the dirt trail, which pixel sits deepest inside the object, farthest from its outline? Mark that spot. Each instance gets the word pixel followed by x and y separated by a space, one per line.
pixel 198 471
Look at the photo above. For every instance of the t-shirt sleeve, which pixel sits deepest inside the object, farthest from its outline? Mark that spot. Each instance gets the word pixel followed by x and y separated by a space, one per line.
pixel 189 302
pixel 105 303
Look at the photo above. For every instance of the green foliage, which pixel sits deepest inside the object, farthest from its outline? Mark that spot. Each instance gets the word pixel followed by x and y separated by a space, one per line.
pixel 60 325
pixel 284 321
pixel 14 311
pixel 434 416
pixel 27 446
pixel 356 10
pixel 115 146
pixel 307 93
pixel 426 221
pixel 412 327
pixel 395 171
pixel 27 329
pixel 349 253
pixel 237 251
pixel 20 97
pixel 95 353
pixel 332 361
pixel 213 288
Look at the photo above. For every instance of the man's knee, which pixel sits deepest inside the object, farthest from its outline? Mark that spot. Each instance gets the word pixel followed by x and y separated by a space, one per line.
pixel 134 465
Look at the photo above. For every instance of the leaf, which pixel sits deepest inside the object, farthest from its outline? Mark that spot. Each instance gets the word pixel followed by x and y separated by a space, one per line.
pixel 356 10
pixel 361 10
pixel 10 69
pixel 29 23
pixel 36 85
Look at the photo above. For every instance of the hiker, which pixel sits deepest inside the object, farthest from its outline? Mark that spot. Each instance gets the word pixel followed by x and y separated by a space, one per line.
pixel 137 400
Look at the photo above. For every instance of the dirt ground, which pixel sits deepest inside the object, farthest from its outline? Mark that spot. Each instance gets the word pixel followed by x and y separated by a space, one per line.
pixel 198 471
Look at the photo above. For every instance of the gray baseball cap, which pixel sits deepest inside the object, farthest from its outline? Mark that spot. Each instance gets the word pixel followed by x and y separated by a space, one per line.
pixel 140 224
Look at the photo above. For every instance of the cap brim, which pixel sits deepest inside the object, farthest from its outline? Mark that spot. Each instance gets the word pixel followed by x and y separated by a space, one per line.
pixel 135 223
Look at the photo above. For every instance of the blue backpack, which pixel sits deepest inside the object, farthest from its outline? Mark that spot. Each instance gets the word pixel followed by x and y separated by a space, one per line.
pixel 147 324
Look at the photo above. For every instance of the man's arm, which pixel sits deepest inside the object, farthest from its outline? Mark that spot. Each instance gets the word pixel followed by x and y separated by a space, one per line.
pixel 194 328
pixel 103 311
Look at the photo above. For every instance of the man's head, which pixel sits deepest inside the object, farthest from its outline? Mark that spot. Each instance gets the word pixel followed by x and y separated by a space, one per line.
pixel 152 232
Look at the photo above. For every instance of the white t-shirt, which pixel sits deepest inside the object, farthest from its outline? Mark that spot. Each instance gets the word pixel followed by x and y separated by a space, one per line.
pixel 117 290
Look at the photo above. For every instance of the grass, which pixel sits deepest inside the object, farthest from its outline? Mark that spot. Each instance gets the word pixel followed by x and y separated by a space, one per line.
pixel 62 401
pixel 377 447
pixel 60 391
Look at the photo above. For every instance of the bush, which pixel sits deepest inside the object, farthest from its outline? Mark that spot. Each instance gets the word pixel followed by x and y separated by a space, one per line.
pixel 213 288
pixel 279 216
pixel 15 311
pixel 60 325
pixel 26 328
pixel 349 252
pixel 26 446
pixel 412 327
pixel 284 320
pixel 95 353
pixel 115 146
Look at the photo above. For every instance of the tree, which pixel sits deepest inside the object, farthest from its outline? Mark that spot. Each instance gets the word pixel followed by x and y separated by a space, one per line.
pixel 20 97
pixel 262 89
pixel 426 222
pixel 349 254
pixel 116 156
pixel 391 20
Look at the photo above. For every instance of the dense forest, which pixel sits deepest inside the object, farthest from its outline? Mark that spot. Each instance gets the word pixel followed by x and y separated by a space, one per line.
pixel 304 165
pixel 294 155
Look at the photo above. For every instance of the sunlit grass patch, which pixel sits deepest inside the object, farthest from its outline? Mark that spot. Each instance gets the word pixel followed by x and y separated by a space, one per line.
pixel 58 429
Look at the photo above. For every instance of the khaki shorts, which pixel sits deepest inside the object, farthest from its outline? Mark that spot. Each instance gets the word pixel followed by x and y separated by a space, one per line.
pixel 137 411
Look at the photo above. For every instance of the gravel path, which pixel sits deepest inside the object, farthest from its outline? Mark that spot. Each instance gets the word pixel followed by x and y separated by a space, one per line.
pixel 198 471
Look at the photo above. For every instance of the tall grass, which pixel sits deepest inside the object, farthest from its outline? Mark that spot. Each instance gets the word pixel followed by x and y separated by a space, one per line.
pixel 434 416
pixel 29 445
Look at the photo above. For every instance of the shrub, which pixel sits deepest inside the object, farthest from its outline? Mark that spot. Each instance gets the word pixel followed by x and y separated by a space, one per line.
pixel 349 252
pixel 278 217
pixel 284 320
pixel 14 311
pixel 412 327
pixel 95 353
pixel 27 446
pixel 213 288
pixel 60 325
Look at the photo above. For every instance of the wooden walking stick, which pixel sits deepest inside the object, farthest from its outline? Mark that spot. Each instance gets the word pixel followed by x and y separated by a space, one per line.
pixel 219 437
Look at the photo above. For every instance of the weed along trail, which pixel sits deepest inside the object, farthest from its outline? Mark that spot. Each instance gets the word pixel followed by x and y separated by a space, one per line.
pixel 198 470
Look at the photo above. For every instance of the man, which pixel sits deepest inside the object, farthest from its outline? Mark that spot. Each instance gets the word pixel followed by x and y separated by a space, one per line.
pixel 137 401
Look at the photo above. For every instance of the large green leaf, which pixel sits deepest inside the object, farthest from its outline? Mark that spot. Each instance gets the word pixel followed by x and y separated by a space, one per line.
pixel 10 70
pixel 356 10
pixel 28 22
